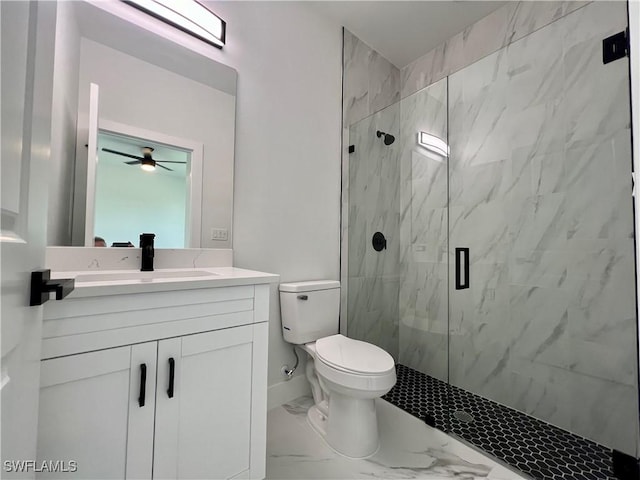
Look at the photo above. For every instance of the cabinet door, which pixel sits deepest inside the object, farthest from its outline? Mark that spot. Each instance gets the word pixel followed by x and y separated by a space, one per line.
pixel 142 403
pixel 89 408
pixel 203 430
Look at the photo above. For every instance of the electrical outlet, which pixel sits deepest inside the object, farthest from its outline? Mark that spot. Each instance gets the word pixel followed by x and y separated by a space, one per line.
pixel 221 234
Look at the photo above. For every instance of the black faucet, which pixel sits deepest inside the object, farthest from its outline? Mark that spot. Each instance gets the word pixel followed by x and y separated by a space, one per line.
pixel 146 244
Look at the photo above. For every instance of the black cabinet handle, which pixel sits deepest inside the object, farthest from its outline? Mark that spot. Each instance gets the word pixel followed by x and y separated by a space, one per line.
pixel 41 285
pixel 460 283
pixel 143 384
pixel 172 373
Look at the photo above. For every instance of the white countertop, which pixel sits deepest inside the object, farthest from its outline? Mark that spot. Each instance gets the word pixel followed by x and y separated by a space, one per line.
pixel 220 277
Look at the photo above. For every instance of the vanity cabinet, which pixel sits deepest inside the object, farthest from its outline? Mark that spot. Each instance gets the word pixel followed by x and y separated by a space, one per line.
pixel 147 403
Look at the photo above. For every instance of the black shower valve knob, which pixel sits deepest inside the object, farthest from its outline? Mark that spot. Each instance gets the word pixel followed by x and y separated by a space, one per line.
pixel 379 242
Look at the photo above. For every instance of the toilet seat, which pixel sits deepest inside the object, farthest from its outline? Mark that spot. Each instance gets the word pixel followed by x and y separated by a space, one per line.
pixel 353 356
pixel 354 368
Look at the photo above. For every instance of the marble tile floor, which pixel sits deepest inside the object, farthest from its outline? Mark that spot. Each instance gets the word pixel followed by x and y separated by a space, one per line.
pixel 408 449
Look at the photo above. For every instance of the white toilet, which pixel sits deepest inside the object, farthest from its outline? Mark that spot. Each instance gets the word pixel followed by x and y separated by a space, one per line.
pixel 346 375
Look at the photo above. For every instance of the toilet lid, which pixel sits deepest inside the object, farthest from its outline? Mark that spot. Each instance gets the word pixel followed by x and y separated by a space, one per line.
pixel 353 355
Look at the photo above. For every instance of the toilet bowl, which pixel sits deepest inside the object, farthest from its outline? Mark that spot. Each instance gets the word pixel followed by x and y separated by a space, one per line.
pixel 353 374
pixel 346 375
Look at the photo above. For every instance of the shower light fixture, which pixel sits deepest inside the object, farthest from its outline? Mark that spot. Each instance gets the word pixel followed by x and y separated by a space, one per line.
pixel 433 144
pixel 190 16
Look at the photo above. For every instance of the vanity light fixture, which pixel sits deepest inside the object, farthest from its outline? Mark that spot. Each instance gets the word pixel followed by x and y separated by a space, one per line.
pixel 190 16
pixel 433 144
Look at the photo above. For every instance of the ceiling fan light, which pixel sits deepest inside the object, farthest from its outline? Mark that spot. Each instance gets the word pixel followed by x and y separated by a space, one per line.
pixel 148 164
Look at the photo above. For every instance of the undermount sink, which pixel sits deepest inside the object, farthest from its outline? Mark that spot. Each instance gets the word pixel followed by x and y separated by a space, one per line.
pixel 142 276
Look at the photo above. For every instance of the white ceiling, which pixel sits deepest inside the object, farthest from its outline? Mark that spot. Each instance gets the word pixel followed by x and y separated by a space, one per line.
pixel 403 31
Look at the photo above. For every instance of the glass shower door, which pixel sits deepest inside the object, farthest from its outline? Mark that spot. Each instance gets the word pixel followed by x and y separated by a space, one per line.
pixel 540 195
pixel 373 283
pixel 423 305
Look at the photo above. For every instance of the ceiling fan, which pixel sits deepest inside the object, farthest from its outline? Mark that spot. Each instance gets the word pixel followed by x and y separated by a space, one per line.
pixel 146 162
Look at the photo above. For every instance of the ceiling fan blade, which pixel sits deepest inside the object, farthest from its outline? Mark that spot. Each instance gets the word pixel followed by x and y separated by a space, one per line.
pixel 168 161
pixel 134 162
pixel 121 153
pixel 162 166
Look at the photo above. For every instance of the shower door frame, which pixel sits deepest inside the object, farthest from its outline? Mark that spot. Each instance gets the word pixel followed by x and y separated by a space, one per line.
pixel 634 74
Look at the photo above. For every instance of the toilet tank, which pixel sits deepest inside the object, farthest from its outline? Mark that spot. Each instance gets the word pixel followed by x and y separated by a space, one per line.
pixel 309 310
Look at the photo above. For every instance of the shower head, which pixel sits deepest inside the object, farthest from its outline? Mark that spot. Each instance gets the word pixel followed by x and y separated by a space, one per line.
pixel 388 138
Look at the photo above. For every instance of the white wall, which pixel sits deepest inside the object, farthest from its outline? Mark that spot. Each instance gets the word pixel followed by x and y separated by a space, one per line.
pixel 286 212
pixel 142 95
pixel 287 162
pixel 63 125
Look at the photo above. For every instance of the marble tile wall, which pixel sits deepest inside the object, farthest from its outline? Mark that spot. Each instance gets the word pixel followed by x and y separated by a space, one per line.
pixel 506 25
pixel 540 191
pixel 370 82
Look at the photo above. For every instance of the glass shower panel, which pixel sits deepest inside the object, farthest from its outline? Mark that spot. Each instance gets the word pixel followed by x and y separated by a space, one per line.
pixel 479 197
pixel 374 198
pixel 540 193
pixel 423 231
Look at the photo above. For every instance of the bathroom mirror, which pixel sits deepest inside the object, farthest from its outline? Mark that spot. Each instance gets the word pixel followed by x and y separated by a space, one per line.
pixel 168 91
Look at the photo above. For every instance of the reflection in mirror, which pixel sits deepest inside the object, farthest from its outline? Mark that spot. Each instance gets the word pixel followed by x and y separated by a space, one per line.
pixel 152 80
pixel 133 195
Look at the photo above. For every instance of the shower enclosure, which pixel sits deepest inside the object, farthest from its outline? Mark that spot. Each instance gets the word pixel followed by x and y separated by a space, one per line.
pixel 507 285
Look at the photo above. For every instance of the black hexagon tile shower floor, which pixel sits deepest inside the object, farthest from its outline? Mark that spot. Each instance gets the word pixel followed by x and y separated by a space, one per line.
pixel 534 447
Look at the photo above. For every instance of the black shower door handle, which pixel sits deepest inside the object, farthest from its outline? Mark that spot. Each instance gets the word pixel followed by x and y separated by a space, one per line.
pixel 172 377
pixel 462 270
pixel 143 384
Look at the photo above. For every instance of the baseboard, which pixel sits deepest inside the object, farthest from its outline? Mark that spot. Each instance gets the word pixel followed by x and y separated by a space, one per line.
pixel 284 392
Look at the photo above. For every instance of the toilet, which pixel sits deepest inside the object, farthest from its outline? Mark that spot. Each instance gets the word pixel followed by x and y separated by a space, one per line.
pixel 346 375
